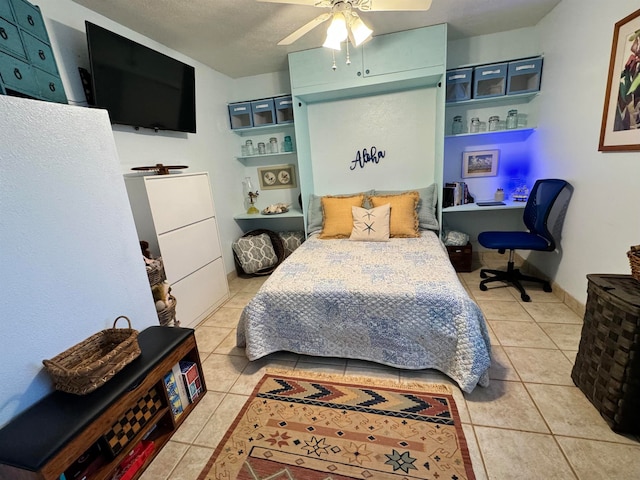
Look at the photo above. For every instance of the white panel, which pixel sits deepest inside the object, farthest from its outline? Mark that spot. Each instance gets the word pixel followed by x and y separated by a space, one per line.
pixel 189 248
pixel 199 293
pixel 178 200
pixel 400 124
pixel 70 258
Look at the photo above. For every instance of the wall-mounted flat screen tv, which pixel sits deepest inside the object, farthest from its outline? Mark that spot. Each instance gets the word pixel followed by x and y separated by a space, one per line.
pixel 139 86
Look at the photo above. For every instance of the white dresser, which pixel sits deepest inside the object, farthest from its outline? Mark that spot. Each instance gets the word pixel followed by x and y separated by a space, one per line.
pixel 176 215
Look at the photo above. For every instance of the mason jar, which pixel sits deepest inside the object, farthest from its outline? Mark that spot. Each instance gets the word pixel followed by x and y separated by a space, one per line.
pixel 512 119
pixel 494 121
pixel 475 125
pixel 456 128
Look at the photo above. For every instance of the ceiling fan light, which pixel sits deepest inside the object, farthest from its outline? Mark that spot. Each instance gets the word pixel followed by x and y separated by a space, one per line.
pixel 360 31
pixel 337 32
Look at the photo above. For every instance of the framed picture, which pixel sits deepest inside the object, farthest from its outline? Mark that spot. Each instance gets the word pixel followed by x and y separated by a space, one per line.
pixel 480 164
pixel 277 176
pixel 620 130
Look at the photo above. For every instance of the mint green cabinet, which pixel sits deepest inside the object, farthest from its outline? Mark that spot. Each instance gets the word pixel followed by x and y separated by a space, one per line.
pixel 27 64
pixel 406 51
pixel 415 57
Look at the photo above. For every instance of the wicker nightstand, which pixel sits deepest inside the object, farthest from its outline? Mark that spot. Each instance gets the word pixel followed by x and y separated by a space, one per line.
pixel 607 367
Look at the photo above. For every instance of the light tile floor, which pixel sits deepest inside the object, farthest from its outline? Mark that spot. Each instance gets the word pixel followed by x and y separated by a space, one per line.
pixel 530 423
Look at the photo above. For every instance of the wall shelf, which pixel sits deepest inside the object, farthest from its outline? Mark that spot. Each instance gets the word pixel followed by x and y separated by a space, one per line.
pixel 515 131
pixel 501 100
pixel 261 159
pixel 292 213
pixel 264 130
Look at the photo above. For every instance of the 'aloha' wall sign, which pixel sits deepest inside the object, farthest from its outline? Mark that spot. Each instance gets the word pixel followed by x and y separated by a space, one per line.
pixel 373 155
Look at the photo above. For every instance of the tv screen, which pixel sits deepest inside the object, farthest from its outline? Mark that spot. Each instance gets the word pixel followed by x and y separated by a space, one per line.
pixel 139 86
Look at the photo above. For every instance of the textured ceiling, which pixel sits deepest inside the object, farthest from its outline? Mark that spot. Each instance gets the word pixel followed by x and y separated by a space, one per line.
pixel 239 37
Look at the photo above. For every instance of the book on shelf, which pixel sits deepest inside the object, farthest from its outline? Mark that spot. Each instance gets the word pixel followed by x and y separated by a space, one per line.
pixel 182 388
pixel 191 378
pixel 458 194
pixel 171 384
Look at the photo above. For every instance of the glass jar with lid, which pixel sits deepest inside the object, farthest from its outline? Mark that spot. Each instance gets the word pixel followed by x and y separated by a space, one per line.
pixel 456 127
pixel 475 125
pixel 273 145
pixel 494 122
pixel 512 119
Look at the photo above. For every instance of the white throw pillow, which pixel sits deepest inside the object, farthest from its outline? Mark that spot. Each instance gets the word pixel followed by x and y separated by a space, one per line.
pixel 371 225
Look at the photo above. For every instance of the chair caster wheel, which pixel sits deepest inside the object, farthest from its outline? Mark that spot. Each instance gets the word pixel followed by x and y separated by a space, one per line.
pixel 546 287
pixel 483 274
pixel 483 287
pixel 525 297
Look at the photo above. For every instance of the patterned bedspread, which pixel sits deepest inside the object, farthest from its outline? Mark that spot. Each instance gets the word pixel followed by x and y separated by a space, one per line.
pixel 398 303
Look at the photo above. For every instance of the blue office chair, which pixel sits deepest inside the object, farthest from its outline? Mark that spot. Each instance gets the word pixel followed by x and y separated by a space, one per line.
pixel 543 216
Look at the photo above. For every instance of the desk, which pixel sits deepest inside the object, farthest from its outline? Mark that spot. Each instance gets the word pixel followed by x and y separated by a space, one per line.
pixel 472 207
pixel 472 219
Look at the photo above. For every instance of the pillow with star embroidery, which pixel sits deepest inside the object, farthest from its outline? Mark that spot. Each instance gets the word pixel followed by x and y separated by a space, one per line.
pixel 371 225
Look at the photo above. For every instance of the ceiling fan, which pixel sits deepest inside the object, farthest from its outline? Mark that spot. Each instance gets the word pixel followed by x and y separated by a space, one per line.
pixel 345 21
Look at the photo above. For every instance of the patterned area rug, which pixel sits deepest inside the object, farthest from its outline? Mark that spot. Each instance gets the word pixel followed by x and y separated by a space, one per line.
pixel 310 426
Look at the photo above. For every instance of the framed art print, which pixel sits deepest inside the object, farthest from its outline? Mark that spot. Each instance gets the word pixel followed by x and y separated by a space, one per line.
pixel 620 129
pixel 277 176
pixel 483 163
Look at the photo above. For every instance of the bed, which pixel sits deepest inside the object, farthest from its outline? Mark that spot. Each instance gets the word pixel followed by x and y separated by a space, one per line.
pixel 396 302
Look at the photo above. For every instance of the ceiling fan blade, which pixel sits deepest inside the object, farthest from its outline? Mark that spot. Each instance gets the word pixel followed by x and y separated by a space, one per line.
pixel 310 3
pixel 305 29
pixel 395 5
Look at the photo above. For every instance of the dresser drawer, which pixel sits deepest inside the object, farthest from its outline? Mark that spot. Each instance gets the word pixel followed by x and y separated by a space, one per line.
pixel 10 39
pixel 199 293
pixel 29 18
pixel 5 10
pixel 187 249
pixel 17 75
pixel 178 200
pixel 50 86
pixel 40 54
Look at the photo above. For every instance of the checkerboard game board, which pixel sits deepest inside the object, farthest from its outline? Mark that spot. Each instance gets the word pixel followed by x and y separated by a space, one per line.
pixel 123 431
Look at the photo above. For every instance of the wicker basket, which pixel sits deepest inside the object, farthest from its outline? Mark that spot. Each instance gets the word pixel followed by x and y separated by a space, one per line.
pixel 607 366
pixel 634 261
pixel 155 272
pixel 167 316
pixel 89 364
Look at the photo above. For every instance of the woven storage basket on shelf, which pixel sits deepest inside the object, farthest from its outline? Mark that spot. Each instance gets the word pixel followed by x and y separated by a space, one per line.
pixel 155 272
pixel 278 248
pixel 634 261
pixel 167 317
pixel 91 363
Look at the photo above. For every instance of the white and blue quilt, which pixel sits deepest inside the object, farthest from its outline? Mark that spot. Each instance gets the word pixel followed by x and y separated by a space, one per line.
pixel 398 303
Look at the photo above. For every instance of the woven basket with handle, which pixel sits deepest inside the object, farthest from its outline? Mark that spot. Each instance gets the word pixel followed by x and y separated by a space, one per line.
pixel 91 363
pixel 634 261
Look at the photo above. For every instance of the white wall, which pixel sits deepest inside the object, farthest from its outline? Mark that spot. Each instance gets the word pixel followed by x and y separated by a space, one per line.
pixel 70 257
pixel 602 221
pixel 210 149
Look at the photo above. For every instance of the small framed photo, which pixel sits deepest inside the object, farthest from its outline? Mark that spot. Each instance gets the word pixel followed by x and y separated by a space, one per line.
pixel 277 176
pixel 480 164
